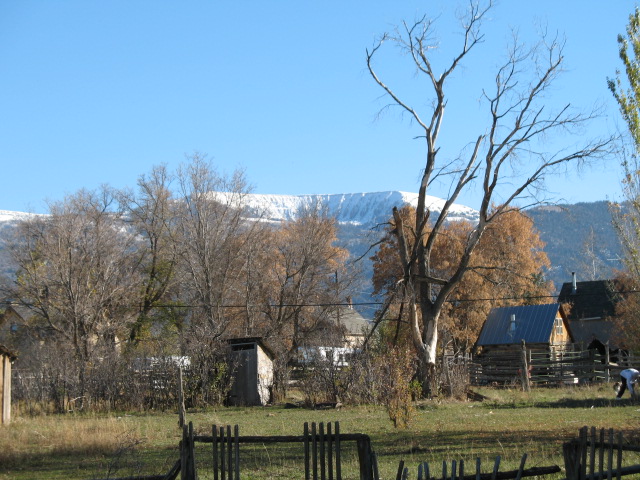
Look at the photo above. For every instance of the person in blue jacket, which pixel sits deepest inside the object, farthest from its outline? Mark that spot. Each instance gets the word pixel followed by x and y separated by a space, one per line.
pixel 628 378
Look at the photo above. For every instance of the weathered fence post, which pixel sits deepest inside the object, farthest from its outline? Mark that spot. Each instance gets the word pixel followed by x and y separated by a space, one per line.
pixel 187 455
pixel 365 456
pixel 182 413
pixel 525 369
pixel 607 357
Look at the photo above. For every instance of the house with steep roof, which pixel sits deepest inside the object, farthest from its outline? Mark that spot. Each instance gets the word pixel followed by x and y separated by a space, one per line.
pixel 541 327
pixel 354 326
pixel 590 308
pixel 335 339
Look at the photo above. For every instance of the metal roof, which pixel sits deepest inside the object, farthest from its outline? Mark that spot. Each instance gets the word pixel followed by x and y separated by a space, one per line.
pixel 533 324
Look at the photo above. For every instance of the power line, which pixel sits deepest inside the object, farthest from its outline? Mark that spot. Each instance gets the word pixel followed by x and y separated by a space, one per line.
pixel 353 304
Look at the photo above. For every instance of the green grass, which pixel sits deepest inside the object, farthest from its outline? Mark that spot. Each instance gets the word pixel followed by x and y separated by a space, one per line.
pixel 508 423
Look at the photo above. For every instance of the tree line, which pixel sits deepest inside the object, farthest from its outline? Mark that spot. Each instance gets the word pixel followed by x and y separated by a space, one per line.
pixel 172 267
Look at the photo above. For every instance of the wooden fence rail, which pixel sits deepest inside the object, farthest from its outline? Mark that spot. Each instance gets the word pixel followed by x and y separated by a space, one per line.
pixel 544 367
pixel 457 471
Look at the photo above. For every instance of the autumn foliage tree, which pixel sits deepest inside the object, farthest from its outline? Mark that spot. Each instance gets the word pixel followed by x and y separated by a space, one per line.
pixel 301 286
pixel 507 268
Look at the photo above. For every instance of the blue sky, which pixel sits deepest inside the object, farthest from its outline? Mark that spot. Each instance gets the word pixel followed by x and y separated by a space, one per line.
pixel 95 92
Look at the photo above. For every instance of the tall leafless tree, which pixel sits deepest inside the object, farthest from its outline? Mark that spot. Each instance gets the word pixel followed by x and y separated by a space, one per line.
pixel 507 157
pixel 150 211
pixel 212 237
pixel 77 274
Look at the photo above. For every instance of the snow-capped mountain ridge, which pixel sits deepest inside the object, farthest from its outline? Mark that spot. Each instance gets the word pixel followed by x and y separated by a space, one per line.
pixel 348 208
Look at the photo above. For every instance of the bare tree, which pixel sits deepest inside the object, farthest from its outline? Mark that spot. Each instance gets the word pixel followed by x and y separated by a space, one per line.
pixel 507 158
pixel 212 237
pixel 76 273
pixel 150 211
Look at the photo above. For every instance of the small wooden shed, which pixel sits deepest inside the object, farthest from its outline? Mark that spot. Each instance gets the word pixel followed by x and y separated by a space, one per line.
pixel 253 374
pixel 6 359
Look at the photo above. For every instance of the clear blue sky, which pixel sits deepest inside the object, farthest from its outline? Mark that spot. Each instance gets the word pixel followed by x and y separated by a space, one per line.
pixel 96 92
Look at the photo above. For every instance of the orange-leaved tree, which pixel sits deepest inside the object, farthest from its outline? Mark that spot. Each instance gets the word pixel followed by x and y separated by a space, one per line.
pixel 507 268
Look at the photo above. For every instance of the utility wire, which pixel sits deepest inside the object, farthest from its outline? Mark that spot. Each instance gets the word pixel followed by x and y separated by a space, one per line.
pixel 353 304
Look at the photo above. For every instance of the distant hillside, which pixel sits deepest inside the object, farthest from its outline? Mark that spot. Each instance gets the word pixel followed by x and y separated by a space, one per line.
pixel 569 231
pixel 579 238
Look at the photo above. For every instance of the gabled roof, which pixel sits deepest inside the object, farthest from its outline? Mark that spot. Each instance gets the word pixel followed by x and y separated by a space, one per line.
pixel 352 321
pixel 594 299
pixel 533 324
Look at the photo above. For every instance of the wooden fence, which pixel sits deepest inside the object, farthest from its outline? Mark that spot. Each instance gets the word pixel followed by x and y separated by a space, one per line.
pixel 544 368
pixel 457 471
pixel 591 456
pixel 322 451
pixel 597 456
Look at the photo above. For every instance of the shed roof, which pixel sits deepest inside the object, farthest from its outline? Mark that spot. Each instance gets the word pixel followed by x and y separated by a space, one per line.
pixel 533 324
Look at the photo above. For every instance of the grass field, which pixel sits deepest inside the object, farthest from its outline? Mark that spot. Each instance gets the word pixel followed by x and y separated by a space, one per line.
pixel 508 423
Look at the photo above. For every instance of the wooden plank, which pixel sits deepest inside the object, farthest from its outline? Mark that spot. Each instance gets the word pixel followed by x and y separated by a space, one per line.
pixel 314 450
pixel 592 452
pixel 610 455
pixel 214 434
pixel 400 470
pixel 521 469
pixel 229 453
pixel 496 466
pixel 223 441
pixel 619 463
pixel 329 451
pixel 583 453
pixel 339 454
pixel 601 449
pixel 323 471
pixel 236 445
pixel 306 451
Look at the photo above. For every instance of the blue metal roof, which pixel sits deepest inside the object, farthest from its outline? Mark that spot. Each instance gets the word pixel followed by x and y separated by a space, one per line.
pixel 533 324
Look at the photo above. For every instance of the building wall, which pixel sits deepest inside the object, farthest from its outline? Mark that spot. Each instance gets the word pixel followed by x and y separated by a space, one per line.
pixel 265 376
pixel 253 376
pixel 5 389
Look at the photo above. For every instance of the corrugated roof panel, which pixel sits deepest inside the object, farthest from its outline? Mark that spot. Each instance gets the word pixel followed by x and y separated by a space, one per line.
pixel 533 324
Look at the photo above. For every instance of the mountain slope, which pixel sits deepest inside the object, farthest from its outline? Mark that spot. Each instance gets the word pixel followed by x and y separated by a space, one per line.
pixel 579 238
pixel 365 209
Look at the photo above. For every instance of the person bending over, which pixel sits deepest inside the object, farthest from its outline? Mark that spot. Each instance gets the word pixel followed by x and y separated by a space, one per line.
pixel 628 378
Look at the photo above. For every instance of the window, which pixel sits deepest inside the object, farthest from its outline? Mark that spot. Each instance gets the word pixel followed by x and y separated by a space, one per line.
pixel 559 329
